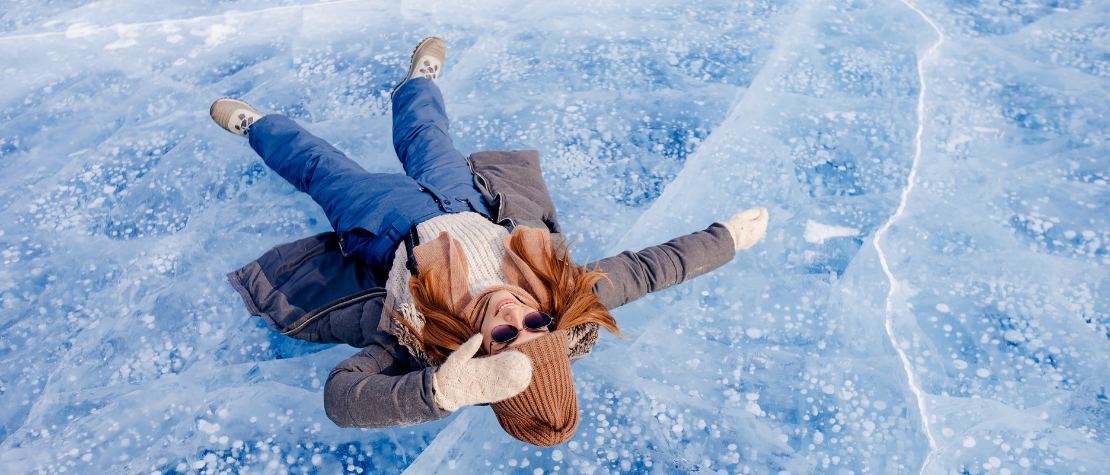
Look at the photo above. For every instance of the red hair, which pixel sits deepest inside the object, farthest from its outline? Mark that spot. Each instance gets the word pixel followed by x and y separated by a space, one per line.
pixel 570 300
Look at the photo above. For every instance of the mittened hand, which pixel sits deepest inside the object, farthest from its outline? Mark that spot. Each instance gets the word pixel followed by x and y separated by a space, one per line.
pixel 465 381
pixel 748 227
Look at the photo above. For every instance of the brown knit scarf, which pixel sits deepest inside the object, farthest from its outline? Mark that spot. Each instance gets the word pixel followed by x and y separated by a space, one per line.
pixel 546 413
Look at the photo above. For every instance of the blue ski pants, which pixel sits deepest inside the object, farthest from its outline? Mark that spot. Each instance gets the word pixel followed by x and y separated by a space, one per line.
pixel 373 211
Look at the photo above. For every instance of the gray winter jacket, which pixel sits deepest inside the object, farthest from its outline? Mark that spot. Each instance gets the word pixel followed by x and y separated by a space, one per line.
pixel 310 290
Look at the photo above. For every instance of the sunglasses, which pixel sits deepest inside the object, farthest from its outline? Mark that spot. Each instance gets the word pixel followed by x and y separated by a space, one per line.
pixel 505 333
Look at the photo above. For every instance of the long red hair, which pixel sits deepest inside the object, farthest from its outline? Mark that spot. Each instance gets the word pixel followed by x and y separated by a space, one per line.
pixel 571 301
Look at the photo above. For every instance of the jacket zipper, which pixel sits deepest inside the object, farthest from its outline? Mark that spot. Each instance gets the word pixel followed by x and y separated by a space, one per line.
pixel 316 314
pixel 498 197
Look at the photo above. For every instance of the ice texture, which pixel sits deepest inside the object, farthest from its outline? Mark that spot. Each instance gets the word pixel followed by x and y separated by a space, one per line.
pixel 947 311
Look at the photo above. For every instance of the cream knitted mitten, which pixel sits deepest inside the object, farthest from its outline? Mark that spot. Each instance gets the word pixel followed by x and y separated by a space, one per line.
pixel 747 227
pixel 465 381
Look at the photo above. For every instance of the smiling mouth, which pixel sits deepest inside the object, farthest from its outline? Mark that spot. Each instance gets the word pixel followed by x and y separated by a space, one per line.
pixel 503 304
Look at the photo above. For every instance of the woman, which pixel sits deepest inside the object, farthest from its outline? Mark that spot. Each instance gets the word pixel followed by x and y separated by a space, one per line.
pixel 438 273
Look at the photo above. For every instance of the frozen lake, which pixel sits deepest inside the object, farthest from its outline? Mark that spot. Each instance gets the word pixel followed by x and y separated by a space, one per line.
pixel 932 296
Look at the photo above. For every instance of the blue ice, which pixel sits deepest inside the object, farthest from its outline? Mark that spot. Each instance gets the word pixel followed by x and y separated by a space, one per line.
pixel 932 295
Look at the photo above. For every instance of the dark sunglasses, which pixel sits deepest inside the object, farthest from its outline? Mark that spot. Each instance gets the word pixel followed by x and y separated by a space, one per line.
pixel 505 333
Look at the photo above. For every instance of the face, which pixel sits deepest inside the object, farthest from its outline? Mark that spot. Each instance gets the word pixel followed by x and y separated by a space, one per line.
pixel 505 309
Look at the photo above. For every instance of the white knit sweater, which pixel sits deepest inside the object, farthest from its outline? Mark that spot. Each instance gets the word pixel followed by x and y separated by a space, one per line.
pixel 483 243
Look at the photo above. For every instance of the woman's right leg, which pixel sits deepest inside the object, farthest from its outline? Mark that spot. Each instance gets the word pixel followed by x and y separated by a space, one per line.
pixel 422 142
pixel 377 208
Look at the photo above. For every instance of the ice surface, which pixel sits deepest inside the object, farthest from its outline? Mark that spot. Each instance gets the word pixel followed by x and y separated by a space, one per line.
pixel 122 206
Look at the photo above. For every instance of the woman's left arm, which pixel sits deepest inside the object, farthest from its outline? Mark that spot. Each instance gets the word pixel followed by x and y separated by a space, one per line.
pixel 374 389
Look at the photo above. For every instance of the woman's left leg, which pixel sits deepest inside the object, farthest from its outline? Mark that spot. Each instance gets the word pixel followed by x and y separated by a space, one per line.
pixel 370 211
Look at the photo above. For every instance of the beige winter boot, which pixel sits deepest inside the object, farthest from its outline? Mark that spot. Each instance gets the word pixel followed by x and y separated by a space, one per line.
pixel 427 61
pixel 234 115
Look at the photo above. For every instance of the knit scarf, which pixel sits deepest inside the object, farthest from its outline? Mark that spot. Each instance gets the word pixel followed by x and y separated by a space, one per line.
pixel 445 256
pixel 546 413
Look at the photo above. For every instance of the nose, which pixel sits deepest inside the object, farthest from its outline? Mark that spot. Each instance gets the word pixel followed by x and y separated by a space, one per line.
pixel 516 315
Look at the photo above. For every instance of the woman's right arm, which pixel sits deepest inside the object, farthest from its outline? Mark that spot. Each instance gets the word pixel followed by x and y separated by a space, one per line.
pixel 635 274
pixel 373 389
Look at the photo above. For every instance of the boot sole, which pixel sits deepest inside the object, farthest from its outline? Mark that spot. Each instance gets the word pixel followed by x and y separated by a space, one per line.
pixel 223 116
pixel 412 61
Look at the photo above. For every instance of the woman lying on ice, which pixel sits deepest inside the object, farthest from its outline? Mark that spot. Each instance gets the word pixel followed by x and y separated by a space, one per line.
pixel 437 273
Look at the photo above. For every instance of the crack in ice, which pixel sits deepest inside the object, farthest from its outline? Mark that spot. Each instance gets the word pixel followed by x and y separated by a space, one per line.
pixel 889 317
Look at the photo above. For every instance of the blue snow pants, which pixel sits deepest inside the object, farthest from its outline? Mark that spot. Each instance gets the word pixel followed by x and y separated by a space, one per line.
pixel 373 211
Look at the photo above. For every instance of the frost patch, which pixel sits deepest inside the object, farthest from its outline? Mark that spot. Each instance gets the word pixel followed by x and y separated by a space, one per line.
pixel 818 233
pixel 81 30
pixel 208 427
pixel 216 34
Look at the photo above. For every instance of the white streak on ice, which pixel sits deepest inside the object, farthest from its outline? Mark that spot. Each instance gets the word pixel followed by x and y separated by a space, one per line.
pixel 818 233
pixel 910 377
pixel 79 30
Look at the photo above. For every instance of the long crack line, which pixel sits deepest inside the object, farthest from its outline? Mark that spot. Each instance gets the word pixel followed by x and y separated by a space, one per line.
pixel 915 385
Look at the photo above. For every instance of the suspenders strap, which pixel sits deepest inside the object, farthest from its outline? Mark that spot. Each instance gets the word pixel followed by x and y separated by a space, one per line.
pixel 412 239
